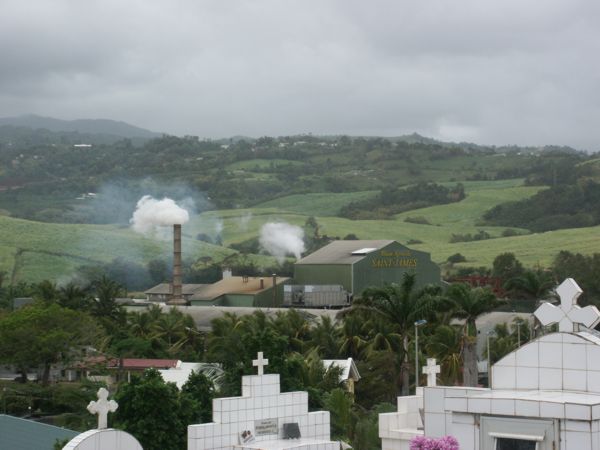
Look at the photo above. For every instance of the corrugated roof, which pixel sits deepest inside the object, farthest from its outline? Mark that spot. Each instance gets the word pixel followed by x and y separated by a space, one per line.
pixel 165 289
pixel 142 363
pixel 235 285
pixel 23 434
pixel 349 369
pixel 128 363
pixel 340 252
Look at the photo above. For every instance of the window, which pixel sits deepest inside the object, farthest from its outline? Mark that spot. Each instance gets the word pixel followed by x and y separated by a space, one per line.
pixel 515 444
pixel 512 433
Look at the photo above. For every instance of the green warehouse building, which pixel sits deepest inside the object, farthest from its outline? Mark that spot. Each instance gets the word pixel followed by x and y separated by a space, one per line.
pixel 356 265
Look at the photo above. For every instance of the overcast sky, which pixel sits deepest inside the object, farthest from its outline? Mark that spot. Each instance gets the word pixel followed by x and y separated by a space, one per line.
pixel 491 72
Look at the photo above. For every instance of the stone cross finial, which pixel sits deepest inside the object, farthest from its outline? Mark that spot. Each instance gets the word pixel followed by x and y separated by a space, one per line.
pixel 102 407
pixel 431 370
pixel 568 314
pixel 260 363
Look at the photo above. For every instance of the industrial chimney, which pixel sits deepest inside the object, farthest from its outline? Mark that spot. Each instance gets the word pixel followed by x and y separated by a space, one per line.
pixel 176 296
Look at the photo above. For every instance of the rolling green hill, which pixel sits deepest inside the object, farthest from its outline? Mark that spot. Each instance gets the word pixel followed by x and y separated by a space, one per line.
pixel 60 202
pixel 32 251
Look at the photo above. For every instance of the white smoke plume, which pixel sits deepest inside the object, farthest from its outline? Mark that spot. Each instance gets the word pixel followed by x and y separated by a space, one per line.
pixel 281 239
pixel 150 214
pixel 219 228
pixel 244 221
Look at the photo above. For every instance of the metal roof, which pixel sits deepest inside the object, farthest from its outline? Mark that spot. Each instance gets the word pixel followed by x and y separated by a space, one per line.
pixel 349 369
pixel 23 434
pixel 235 285
pixel 341 252
pixel 165 289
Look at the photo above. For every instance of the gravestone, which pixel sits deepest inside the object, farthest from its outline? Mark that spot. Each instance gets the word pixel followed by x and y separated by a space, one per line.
pixel 431 370
pixel 103 438
pixel 264 418
pixel 102 407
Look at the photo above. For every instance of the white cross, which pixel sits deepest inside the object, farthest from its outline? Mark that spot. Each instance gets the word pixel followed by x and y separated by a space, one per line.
pixel 431 369
pixel 568 314
pixel 102 407
pixel 260 363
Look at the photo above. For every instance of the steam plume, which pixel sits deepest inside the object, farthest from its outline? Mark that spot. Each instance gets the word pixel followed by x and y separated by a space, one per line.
pixel 151 213
pixel 281 239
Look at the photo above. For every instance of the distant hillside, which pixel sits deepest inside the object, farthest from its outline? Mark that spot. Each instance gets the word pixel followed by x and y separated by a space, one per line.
pixel 89 126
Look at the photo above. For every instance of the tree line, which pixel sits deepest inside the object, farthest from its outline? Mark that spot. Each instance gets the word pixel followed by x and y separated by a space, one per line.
pixel 377 331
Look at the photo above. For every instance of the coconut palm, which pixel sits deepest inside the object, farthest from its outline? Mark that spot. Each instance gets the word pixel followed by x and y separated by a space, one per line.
pixel 325 337
pixel 445 345
pixel 73 296
pixel 469 304
pixel 295 326
pixel 400 305
pixel 534 284
pixel 46 291
pixel 172 327
pixel 142 325
pixel 352 339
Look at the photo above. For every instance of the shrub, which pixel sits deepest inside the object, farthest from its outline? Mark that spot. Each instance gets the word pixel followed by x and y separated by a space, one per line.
pixel 419 220
pixel 456 258
pixel 509 232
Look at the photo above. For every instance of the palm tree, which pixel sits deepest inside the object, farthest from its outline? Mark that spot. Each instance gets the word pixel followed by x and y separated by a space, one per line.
pixel 74 297
pixel 445 345
pixel 295 326
pixel 142 325
pixel 46 291
pixel 107 291
pixel 469 304
pixel 352 336
pixel 400 305
pixel 325 337
pixel 382 337
pixel 534 284
pixel 172 328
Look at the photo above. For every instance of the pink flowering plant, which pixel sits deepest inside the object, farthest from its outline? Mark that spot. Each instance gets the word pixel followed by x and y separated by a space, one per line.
pixel 427 443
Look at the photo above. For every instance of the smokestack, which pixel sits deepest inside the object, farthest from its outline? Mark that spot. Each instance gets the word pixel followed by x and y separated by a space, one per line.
pixel 274 289
pixel 176 296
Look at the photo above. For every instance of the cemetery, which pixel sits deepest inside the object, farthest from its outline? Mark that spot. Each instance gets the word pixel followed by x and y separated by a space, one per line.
pixel 543 396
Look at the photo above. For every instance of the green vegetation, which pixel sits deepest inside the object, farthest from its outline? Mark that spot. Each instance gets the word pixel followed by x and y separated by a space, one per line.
pixel 32 251
pixel 394 200
pixel 560 207
pixel 322 205
pixel 241 184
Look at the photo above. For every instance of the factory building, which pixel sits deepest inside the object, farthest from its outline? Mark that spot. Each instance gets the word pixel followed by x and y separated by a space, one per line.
pixel 241 291
pixel 230 291
pixel 331 277
pixel 353 266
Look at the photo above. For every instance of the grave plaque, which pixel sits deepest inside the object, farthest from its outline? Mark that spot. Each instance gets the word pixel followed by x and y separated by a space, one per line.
pixel 265 426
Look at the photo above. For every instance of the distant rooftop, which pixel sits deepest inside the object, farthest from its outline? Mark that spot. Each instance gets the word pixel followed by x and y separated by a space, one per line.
pixel 344 252
pixel 23 434
pixel 235 285
pixel 165 289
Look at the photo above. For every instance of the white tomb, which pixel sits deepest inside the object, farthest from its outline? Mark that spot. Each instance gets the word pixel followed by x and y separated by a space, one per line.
pixel 544 395
pixel 260 419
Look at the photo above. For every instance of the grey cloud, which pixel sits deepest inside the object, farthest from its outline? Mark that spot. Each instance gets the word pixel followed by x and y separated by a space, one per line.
pixel 492 72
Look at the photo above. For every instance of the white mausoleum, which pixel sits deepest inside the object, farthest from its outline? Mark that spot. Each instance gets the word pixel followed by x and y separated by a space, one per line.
pixel 543 396
pixel 263 418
